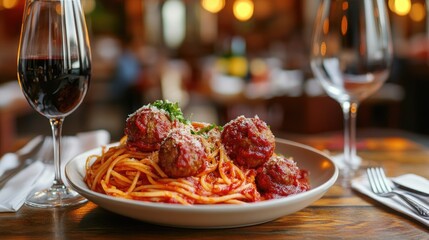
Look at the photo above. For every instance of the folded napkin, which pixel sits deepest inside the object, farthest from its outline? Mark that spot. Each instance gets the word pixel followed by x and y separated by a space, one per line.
pixel 361 184
pixel 40 174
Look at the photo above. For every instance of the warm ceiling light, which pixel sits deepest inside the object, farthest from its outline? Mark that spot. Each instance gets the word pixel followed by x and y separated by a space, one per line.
pixel 243 9
pixel 8 4
pixel 326 26
pixel 345 6
pixel 391 4
pixel 323 48
pixel 418 12
pixel 213 6
pixel 344 25
pixel 402 7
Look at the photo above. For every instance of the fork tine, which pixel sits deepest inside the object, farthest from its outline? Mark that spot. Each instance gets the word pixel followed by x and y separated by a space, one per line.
pixel 371 180
pixel 383 180
pixel 376 185
pixel 379 179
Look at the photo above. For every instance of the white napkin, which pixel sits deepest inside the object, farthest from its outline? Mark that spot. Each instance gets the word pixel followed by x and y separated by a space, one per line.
pixel 40 174
pixel 10 160
pixel 361 184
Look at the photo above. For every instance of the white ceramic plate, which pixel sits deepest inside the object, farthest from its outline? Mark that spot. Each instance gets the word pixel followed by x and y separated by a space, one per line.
pixel 323 174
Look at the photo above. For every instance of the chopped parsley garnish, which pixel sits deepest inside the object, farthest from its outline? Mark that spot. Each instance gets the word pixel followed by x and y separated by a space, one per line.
pixel 207 129
pixel 173 110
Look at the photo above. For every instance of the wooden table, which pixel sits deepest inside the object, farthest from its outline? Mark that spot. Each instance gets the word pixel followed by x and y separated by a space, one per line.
pixel 341 213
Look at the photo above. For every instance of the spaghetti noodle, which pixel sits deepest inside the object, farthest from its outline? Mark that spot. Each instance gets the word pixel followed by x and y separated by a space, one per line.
pixel 165 158
pixel 126 173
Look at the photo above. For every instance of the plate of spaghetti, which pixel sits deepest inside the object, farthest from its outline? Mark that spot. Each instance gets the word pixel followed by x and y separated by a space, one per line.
pixel 168 170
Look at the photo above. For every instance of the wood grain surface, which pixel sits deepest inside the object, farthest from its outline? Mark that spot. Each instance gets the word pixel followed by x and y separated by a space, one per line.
pixel 341 214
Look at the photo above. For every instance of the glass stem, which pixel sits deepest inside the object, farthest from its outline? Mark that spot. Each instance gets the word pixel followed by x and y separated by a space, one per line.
pixel 350 111
pixel 57 126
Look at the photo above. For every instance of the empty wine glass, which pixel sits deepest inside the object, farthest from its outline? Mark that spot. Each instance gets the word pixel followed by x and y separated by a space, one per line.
pixel 351 57
pixel 54 70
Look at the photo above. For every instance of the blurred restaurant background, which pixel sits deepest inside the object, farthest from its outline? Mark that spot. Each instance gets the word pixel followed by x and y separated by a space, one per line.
pixel 218 59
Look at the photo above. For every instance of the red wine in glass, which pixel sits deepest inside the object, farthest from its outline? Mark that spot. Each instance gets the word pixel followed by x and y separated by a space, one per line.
pixel 52 89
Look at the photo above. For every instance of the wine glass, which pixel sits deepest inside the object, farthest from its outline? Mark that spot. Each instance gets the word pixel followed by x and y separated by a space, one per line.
pixel 351 57
pixel 54 70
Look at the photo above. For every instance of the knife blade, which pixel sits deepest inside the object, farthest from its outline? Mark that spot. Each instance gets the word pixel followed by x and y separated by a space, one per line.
pixel 412 183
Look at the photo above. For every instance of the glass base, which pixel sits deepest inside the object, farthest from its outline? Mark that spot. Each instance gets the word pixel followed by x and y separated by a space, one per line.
pixel 55 196
pixel 345 177
pixel 348 171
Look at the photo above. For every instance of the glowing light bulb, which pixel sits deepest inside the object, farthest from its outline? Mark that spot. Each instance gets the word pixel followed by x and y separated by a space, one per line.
pixel 213 6
pixel 8 4
pixel 243 9
pixel 418 12
pixel 402 7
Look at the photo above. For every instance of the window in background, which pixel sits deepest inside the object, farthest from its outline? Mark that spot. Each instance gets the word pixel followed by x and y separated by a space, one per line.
pixel 174 22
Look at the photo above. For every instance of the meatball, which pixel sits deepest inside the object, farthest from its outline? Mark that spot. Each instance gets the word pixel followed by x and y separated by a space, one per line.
pixel 147 128
pixel 182 154
pixel 248 141
pixel 281 176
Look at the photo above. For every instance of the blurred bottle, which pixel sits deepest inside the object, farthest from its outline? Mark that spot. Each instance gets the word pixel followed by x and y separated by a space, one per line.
pixel 233 60
pixel 238 64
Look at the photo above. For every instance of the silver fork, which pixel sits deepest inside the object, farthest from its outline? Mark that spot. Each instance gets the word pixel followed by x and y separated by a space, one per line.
pixel 380 185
